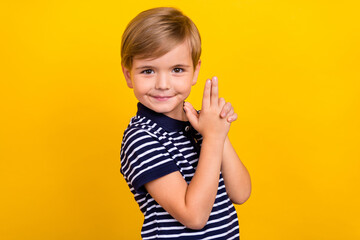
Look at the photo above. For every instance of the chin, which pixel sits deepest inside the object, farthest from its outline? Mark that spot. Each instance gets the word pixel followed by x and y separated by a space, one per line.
pixel 163 109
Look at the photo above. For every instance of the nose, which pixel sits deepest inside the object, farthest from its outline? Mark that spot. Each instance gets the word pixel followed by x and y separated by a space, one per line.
pixel 162 81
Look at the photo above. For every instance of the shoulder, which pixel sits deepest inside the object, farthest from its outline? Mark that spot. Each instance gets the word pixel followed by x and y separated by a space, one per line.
pixel 140 136
pixel 142 125
pixel 140 128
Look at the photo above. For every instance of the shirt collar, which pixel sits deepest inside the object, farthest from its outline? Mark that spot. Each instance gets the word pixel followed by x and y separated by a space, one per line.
pixel 167 123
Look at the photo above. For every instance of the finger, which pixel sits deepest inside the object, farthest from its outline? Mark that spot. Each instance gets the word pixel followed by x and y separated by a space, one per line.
pixel 226 109
pixel 191 108
pixel 221 102
pixel 230 113
pixel 193 119
pixel 232 118
pixel 214 91
pixel 206 96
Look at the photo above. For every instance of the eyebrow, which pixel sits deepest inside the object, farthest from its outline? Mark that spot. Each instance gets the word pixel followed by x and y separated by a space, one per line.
pixel 175 66
pixel 141 67
pixel 180 65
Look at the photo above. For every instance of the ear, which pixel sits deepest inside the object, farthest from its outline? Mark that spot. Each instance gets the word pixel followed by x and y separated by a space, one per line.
pixel 127 76
pixel 196 72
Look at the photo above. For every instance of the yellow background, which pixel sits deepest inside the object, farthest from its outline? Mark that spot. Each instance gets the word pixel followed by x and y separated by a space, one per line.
pixel 291 69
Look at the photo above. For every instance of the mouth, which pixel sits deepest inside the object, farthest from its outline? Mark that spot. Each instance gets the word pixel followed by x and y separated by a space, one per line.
pixel 161 98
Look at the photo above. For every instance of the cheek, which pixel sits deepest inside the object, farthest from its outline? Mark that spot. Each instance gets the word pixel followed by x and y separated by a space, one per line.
pixel 141 86
pixel 184 85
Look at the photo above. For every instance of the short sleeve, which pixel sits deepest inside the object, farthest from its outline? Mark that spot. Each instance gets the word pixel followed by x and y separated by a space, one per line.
pixel 144 158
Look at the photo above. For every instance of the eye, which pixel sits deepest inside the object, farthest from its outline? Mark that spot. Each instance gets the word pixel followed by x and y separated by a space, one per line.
pixel 178 70
pixel 148 71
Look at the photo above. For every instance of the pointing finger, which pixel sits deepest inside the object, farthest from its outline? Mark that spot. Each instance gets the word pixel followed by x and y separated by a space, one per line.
pixel 214 91
pixel 206 96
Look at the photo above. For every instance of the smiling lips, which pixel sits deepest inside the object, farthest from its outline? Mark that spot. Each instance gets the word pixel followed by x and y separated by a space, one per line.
pixel 162 98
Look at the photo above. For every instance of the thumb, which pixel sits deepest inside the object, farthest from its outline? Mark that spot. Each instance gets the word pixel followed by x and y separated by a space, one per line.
pixel 191 114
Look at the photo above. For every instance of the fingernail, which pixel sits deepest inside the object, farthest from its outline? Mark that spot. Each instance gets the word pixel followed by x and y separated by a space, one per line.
pixel 215 79
pixel 208 81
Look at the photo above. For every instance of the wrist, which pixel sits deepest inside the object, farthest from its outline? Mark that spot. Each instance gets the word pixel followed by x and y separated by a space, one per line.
pixel 227 140
pixel 213 139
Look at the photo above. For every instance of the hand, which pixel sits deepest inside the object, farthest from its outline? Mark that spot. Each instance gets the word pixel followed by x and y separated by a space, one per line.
pixel 208 122
pixel 227 112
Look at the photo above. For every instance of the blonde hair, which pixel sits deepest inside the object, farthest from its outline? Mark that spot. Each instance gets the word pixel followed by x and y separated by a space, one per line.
pixel 154 32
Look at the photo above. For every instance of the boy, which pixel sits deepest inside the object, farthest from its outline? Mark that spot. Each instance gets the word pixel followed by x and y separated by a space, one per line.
pixel 178 163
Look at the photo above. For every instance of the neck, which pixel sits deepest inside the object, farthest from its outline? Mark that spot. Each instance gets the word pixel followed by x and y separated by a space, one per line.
pixel 178 115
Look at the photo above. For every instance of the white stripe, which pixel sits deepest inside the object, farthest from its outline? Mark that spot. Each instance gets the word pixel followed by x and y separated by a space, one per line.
pixel 178 155
pixel 187 168
pixel 157 214
pixel 220 195
pixel 167 143
pixel 184 149
pixel 172 149
pixel 182 143
pixel 153 206
pixel 164 229
pixel 160 221
pixel 189 175
pixel 193 161
pixel 191 154
pixel 144 205
pixel 178 138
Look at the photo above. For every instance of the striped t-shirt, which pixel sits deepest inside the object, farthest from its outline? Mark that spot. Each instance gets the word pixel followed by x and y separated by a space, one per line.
pixel 155 145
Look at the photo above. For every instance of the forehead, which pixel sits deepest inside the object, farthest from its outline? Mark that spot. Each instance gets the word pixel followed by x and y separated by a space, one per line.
pixel 180 54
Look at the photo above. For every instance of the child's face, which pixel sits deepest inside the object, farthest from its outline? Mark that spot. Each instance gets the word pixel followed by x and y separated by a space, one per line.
pixel 162 84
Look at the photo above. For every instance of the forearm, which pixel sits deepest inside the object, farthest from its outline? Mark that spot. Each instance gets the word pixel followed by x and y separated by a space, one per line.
pixel 202 190
pixel 236 176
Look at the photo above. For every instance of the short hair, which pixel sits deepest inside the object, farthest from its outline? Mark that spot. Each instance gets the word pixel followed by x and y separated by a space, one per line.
pixel 154 32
